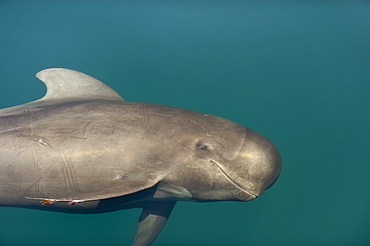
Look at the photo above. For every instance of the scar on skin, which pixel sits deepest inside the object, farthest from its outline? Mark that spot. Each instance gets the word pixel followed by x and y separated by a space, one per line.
pixel 46 201
pixel 74 202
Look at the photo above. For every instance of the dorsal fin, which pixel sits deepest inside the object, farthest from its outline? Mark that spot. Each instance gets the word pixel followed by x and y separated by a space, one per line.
pixel 65 84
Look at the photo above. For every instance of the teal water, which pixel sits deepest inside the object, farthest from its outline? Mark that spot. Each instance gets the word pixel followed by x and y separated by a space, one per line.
pixel 295 71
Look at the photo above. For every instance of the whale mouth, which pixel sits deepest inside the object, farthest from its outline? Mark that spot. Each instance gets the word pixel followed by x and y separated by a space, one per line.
pixel 232 181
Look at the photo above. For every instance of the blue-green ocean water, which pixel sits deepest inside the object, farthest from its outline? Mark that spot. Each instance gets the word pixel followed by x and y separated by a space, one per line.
pixel 296 71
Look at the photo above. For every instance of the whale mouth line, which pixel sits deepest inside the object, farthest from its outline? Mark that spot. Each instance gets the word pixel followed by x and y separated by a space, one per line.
pixel 232 181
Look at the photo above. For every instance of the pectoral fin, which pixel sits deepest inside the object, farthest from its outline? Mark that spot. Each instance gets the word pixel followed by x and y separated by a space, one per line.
pixel 151 222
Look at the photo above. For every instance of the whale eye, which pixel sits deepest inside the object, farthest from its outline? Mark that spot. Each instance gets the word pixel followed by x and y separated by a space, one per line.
pixel 201 146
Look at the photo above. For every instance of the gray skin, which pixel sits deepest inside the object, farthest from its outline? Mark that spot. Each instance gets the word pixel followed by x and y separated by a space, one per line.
pixel 83 149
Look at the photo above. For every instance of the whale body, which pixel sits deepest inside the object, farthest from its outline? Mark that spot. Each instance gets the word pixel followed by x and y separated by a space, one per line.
pixel 83 149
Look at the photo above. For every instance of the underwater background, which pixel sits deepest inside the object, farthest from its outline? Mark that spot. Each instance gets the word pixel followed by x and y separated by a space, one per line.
pixel 297 72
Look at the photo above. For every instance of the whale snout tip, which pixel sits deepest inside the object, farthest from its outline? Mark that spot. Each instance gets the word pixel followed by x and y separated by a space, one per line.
pixel 259 165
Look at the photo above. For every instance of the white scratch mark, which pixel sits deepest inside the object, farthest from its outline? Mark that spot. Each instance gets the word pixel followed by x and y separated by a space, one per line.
pixel 11 129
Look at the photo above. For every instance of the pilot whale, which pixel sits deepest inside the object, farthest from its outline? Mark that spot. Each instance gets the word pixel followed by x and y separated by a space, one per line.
pixel 83 149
